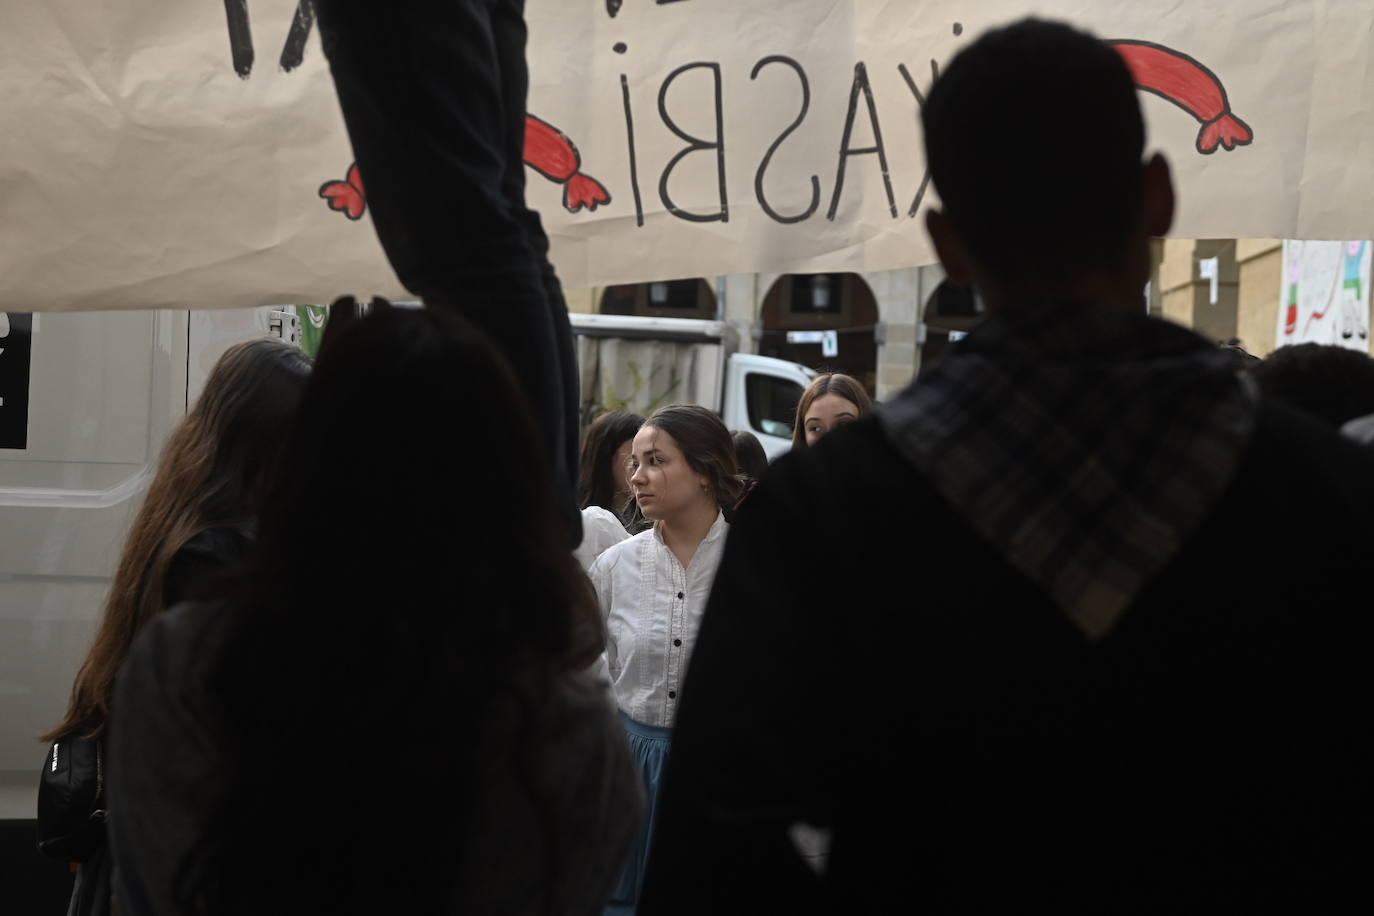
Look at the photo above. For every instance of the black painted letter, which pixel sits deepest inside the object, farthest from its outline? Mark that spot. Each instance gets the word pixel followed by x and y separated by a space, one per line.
pixel 634 160
pixel 240 36
pixel 768 156
pixel 920 106
pixel 695 144
pixel 293 52
pixel 861 85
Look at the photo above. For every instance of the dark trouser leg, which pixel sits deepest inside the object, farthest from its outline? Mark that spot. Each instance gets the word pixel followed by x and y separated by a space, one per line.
pixel 433 93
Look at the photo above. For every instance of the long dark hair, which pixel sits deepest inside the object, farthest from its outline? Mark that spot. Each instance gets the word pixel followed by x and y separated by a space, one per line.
pixel 604 436
pixel 351 692
pixel 707 446
pixel 213 471
pixel 749 452
pixel 829 383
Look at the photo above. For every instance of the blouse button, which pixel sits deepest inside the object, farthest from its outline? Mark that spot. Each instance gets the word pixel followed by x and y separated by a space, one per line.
pixel 677 642
pixel 679 596
pixel 672 694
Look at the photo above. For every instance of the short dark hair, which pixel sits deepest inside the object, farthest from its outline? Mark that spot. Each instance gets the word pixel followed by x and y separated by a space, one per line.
pixel 1332 383
pixel 706 444
pixel 1034 138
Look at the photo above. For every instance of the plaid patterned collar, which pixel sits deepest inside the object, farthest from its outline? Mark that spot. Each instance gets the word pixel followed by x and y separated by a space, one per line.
pixel 1085 444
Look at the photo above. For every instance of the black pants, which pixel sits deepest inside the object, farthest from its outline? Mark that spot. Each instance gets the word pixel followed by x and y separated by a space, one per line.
pixel 433 93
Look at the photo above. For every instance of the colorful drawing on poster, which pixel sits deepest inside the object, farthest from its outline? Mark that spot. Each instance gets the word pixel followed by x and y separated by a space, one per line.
pixel 1178 78
pixel 550 153
pixel 1354 319
pixel 547 150
pixel 346 196
pixel 1325 294
pixel 1292 277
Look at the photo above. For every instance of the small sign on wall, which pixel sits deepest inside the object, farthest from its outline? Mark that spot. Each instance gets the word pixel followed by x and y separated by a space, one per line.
pixel 16 341
pixel 829 341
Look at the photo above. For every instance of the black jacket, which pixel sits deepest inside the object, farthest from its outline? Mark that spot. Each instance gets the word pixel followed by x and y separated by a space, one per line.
pixel 867 663
pixel 200 565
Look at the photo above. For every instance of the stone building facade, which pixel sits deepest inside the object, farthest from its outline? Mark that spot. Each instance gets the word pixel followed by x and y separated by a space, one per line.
pixel 876 316
pixel 879 322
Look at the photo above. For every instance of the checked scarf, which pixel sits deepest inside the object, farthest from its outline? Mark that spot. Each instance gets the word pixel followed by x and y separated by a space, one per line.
pixel 1084 444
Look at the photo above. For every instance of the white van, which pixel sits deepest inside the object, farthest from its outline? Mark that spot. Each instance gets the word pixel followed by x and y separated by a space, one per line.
pixel 635 363
pixel 101 393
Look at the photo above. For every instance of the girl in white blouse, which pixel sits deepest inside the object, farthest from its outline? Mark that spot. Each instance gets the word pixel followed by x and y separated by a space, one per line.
pixel 653 587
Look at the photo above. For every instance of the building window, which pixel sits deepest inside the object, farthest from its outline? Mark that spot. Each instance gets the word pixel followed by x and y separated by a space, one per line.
pixel 664 298
pixel 673 294
pixel 814 294
pixel 772 403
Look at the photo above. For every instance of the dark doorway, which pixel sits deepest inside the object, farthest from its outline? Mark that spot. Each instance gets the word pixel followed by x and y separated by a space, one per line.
pixel 842 303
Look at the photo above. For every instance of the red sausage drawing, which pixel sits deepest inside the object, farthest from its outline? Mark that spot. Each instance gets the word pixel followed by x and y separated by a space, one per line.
pixel 1180 79
pixel 554 156
pixel 346 195
pixel 547 151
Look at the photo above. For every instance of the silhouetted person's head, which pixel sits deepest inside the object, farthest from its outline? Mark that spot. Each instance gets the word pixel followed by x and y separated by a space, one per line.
pixel 412 576
pixel 414 469
pixel 1035 139
pixel 1332 383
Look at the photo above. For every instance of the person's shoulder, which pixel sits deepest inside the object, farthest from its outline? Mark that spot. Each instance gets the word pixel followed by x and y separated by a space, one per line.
pixel 223 543
pixel 197 567
pixel 600 531
pixel 854 470
pixel 554 755
pixel 584 704
pixel 598 515
pixel 602 528
pixel 563 722
pixel 581 729
pixel 175 646
pixel 853 445
pixel 622 551
pixel 1288 441
pixel 1299 472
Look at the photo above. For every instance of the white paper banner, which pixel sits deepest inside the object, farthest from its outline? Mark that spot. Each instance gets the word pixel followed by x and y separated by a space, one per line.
pixel 138 168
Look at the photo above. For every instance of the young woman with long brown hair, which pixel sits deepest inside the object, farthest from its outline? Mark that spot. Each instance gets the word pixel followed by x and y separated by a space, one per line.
pixel 653 587
pixel 605 486
pixel 829 402
pixel 606 458
pixel 196 519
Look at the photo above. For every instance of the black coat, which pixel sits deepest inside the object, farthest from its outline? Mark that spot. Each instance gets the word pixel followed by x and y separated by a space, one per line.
pixel 869 664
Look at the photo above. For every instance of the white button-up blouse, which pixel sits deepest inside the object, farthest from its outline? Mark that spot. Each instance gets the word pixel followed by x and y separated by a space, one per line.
pixel 600 529
pixel 653 608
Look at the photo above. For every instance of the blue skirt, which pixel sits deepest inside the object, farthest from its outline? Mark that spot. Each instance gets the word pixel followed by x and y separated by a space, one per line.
pixel 649 747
